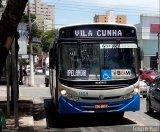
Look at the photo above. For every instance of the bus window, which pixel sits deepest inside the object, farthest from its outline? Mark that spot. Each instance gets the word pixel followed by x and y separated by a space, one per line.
pixel 79 61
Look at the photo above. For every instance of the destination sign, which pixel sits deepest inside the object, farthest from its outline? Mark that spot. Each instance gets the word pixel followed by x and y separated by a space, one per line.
pixel 98 33
pixel 90 31
pixel 78 73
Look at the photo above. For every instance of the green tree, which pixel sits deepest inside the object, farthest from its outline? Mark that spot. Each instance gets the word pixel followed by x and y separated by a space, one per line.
pixel 25 18
pixel 47 38
pixel 35 32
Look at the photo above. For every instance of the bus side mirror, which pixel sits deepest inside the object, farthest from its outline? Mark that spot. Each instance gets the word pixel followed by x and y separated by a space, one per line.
pixel 140 54
pixel 52 59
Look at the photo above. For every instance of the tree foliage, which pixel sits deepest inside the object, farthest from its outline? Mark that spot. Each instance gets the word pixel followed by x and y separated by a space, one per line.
pixel 47 38
pixel 35 32
pixel 25 18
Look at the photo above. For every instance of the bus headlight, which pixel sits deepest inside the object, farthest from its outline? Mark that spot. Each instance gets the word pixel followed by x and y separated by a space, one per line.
pixel 130 95
pixel 72 97
pixel 68 95
pixel 136 90
pixel 127 96
pixel 75 98
pixel 63 92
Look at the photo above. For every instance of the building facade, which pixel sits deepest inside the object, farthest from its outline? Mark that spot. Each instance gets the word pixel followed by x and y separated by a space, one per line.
pixel 148 40
pixel 43 13
pixel 110 17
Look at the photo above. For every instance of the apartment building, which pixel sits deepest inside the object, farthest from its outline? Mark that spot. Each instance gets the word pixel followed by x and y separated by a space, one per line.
pixel 110 17
pixel 43 13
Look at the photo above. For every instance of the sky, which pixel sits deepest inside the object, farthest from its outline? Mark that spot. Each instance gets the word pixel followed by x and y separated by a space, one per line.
pixel 82 11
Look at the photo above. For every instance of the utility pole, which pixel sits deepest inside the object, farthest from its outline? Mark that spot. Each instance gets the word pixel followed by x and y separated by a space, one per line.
pixel 30 47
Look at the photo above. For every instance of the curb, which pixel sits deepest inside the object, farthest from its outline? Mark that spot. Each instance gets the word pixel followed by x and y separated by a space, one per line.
pixel 39 112
pixel 25 111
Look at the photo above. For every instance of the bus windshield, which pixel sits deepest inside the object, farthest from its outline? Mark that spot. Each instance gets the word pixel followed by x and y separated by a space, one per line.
pixel 96 61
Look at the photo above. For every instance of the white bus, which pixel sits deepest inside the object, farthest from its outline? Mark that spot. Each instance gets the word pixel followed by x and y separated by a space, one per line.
pixel 94 68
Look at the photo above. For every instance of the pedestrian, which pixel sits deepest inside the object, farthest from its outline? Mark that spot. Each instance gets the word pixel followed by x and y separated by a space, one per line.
pixel 25 75
pixel 20 76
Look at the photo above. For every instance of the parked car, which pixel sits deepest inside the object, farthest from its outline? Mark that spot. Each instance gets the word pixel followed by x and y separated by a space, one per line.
pixel 47 77
pixel 148 76
pixel 38 70
pixel 153 96
pixel 143 88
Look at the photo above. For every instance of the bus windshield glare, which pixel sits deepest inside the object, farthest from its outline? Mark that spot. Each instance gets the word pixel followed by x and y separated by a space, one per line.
pixel 96 61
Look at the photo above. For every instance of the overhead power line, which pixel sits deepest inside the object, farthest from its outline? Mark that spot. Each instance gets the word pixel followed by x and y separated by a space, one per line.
pixel 93 5
pixel 90 6
pixel 100 11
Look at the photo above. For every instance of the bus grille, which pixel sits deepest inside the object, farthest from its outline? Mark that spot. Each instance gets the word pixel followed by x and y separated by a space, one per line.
pixel 103 87
pixel 97 98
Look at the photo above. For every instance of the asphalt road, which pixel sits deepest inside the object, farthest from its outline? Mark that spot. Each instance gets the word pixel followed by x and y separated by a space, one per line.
pixel 132 121
pixel 138 121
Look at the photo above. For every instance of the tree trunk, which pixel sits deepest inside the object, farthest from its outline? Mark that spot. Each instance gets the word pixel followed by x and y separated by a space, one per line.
pixel 8 25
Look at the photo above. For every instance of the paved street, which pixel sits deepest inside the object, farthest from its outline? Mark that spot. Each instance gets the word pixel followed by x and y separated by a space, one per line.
pixel 100 122
pixel 132 121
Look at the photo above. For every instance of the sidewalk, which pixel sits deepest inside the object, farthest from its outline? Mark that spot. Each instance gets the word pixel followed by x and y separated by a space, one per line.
pixel 29 108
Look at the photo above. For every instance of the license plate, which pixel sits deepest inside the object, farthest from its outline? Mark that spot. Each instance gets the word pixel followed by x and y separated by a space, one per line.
pixel 101 106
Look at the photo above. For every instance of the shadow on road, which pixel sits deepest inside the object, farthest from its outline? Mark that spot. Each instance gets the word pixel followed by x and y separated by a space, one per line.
pixel 155 115
pixel 80 120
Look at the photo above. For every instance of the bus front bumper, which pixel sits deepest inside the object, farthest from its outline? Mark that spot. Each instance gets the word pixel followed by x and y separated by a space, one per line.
pixel 67 106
